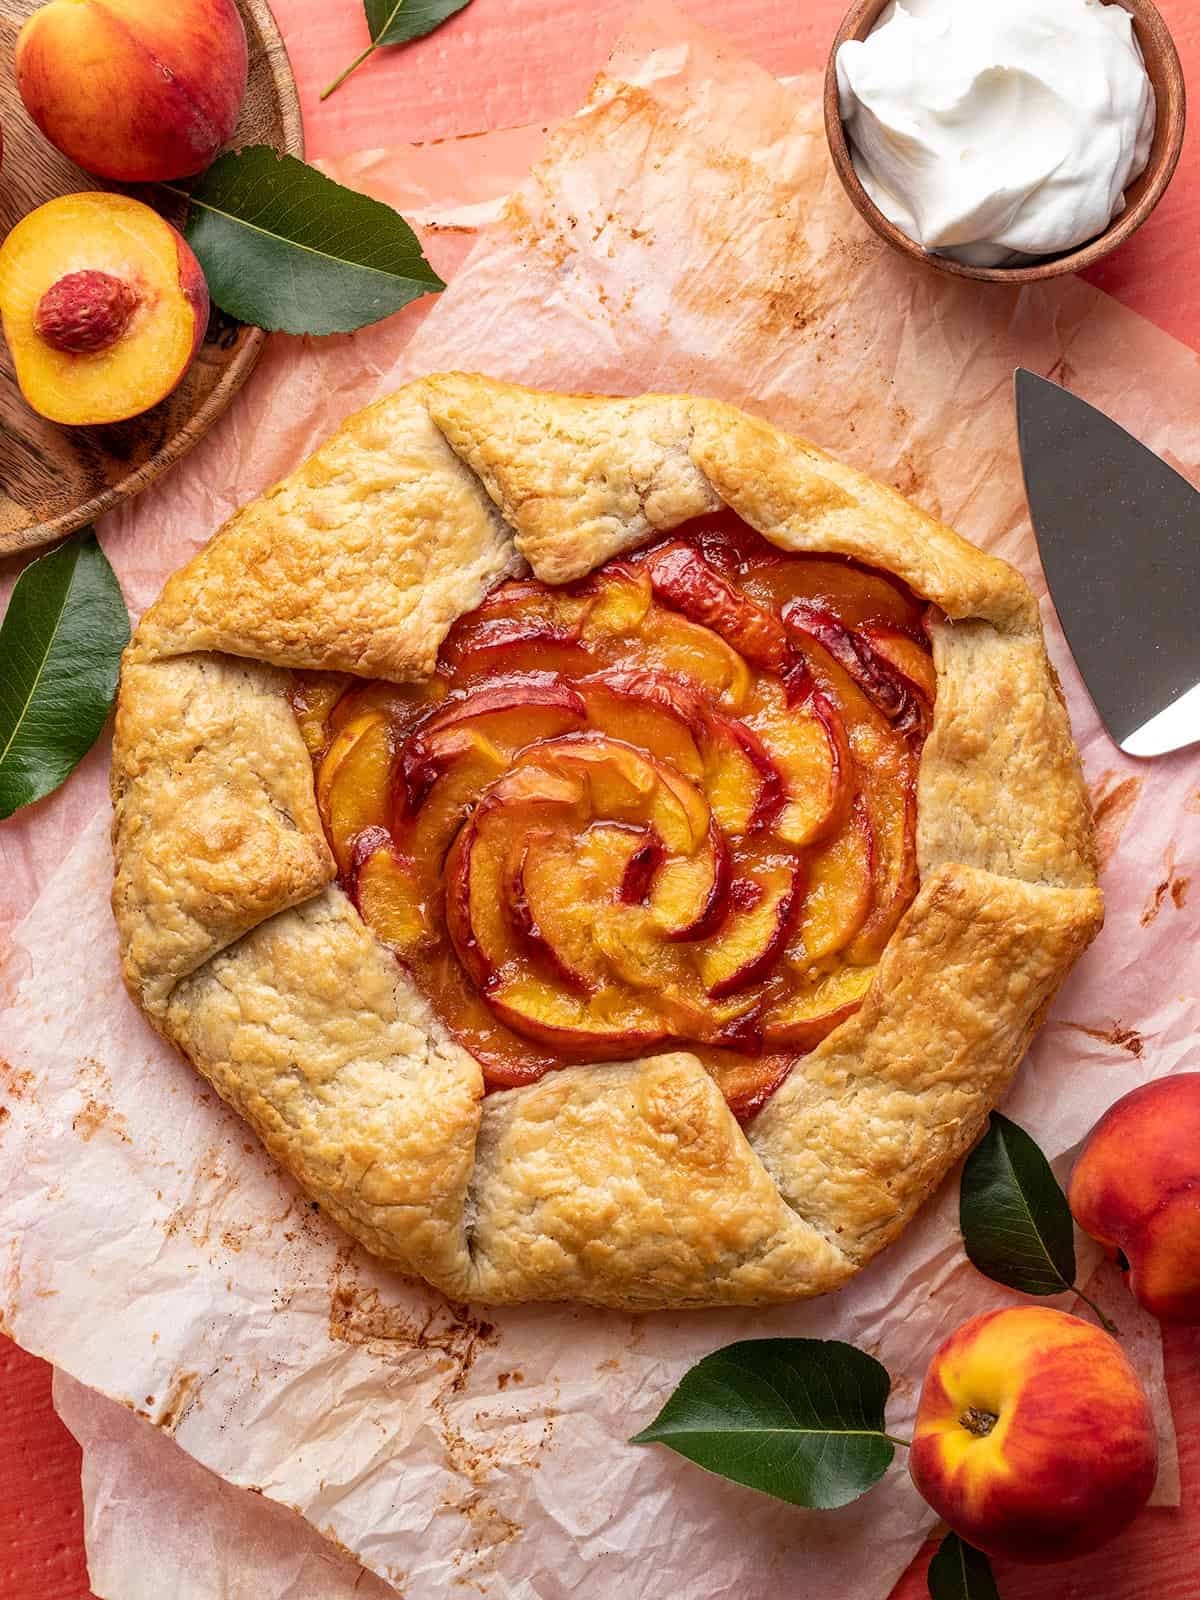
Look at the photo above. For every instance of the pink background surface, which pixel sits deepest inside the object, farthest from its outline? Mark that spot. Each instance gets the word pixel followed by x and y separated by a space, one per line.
pixel 503 63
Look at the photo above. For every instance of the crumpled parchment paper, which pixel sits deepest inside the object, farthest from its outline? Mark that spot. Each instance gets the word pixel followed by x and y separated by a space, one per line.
pixel 684 232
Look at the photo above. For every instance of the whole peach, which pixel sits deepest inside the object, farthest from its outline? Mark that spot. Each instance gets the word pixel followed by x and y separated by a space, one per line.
pixel 1034 1437
pixel 133 89
pixel 1136 1189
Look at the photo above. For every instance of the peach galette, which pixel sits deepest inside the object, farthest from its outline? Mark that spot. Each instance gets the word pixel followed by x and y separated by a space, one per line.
pixel 607 849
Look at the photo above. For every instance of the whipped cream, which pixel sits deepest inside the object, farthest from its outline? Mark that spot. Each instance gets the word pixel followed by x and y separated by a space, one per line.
pixel 995 131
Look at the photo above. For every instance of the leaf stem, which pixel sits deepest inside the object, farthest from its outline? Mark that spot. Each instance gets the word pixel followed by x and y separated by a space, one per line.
pixel 1106 1323
pixel 895 1439
pixel 353 67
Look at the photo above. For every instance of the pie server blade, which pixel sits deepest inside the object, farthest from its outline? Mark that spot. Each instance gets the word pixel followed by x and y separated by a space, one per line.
pixel 1119 536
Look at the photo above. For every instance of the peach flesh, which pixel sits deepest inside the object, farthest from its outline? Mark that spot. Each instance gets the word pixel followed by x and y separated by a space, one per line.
pixel 72 270
pixel 131 89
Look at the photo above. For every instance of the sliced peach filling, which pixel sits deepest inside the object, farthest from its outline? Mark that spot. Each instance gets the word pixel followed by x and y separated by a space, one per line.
pixel 673 805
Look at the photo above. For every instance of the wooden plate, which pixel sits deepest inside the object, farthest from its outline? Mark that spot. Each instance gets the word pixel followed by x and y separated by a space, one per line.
pixel 54 479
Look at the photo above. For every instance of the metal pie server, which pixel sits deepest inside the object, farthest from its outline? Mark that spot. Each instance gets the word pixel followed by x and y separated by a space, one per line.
pixel 1119 536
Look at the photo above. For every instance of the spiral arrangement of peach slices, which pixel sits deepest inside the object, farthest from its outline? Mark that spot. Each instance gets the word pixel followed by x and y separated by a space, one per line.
pixel 673 805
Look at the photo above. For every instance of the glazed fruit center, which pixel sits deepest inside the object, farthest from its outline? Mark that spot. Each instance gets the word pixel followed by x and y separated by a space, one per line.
pixel 674 804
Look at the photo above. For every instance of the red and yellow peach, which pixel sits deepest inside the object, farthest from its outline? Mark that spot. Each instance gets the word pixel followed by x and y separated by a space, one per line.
pixel 1136 1189
pixel 1034 1437
pixel 131 89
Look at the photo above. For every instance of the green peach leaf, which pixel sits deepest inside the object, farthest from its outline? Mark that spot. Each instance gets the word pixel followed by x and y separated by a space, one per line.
pixel 1016 1224
pixel 960 1572
pixel 286 248
pixel 396 22
pixel 799 1419
pixel 60 655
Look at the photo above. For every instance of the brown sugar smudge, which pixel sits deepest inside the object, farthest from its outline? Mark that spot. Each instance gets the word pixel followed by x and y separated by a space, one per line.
pixel 15 1082
pixel 182 1395
pixel 94 1115
pixel 1171 887
pixel 452 1337
pixel 1118 1035
pixel 1113 802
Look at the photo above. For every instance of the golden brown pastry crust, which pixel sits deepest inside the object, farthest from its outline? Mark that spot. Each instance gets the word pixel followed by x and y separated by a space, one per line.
pixel 629 1184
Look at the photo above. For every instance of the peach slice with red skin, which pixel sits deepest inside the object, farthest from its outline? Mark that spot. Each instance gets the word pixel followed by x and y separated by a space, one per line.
pixel 517 712
pixel 809 1015
pixel 658 712
pixel 539 865
pixel 1136 1189
pixel 841 891
pixel 133 90
pixel 354 783
pixel 754 934
pixel 748 1082
pixel 103 304
pixel 684 579
pixel 870 659
pixel 386 893
pixel 609 1025
pixel 806 744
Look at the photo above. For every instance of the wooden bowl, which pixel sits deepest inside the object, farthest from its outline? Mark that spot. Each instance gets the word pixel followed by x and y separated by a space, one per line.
pixel 54 479
pixel 1166 74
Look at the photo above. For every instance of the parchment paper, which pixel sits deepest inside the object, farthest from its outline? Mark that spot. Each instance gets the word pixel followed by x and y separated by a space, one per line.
pixel 684 232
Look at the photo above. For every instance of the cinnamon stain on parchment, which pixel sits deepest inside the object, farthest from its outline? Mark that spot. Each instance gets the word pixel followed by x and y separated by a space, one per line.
pixel 1113 801
pixel 17 1083
pixel 182 1395
pixel 451 1338
pixel 1116 1034
pixel 1171 889
pixel 97 1111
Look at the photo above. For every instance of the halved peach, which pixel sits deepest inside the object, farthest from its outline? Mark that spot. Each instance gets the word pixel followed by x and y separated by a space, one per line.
pixel 806 1017
pixel 753 935
pixel 354 782
pixel 104 305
